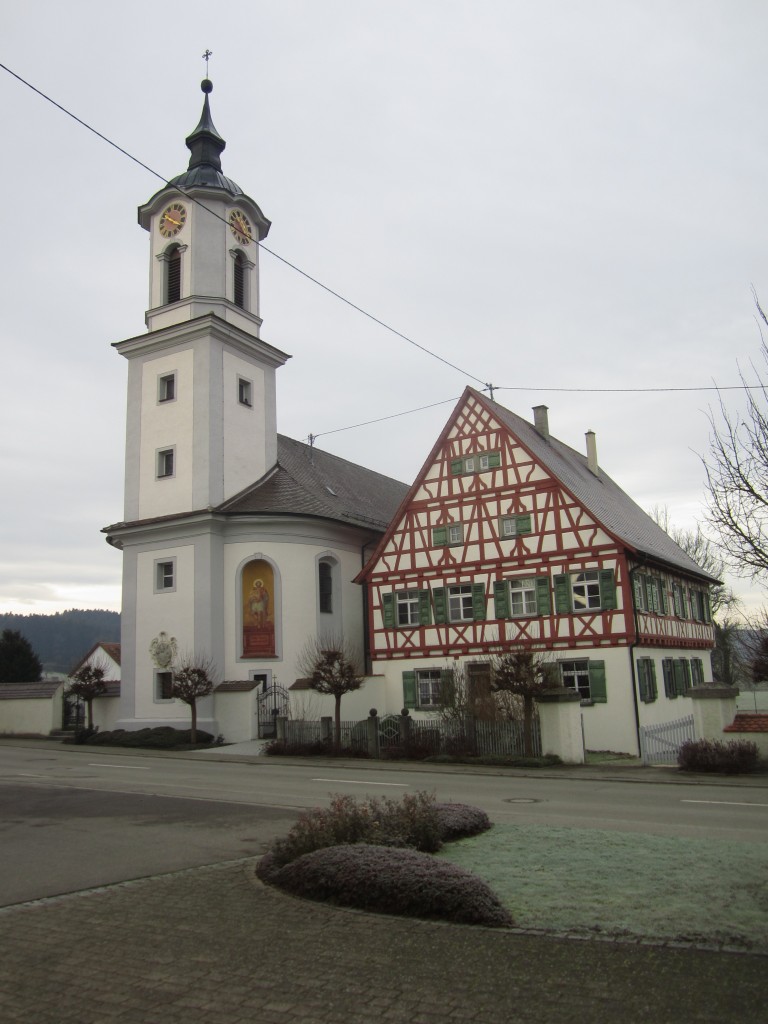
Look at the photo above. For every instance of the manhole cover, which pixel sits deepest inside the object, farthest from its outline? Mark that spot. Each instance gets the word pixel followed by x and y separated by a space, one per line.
pixel 521 800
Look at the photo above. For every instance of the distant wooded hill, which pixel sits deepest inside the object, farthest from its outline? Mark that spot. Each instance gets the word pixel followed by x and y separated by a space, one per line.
pixel 62 639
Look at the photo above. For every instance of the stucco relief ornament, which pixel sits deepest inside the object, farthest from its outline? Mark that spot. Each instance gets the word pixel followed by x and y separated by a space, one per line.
pixel 163 650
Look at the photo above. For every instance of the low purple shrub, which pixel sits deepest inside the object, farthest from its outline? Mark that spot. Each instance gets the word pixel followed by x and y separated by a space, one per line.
pixel 411 821
pixel 392 881
pixel 733 758
pixel 460 820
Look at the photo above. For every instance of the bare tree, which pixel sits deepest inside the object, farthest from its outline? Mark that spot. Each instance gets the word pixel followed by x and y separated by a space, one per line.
pixel 526 674
pixel 87 683
pixel 194 677
pixel 330 665
pixel 704 552
pixel 737 476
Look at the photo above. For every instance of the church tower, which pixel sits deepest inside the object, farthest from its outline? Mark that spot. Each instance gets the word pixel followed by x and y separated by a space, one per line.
pixel 201 389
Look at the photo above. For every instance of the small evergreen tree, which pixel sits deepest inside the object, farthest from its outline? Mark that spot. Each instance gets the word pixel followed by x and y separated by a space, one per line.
pixel 18 662
pixel 87 683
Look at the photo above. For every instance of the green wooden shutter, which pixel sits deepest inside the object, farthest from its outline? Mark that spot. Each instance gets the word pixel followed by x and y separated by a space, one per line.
pixel 447 688
pixel 456 466
pixel 500 599
pixel 543 598
pixel 562 594
pixel 697 671
pixel 607 589
pixel 686 673
pixel 494 459
pixel 598 690
pixel 441 607
pixel 707 608
pixel 639 592
pixel 642 680
pixel 663 597
pixel 669 679
pixel 653 689
pixel 439 536
pixel 425 608
pixel 388 610
pixel 478 601
pixel 410 696
pixel 679 674
pixel 523 524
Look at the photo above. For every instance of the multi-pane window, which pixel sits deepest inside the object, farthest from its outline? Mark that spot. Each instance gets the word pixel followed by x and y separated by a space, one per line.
pixel 453 533
pixel 165 462
pixel 460 608
pixel 522 596
pixel 165 575
pixel 428 686
pixel 166 387
pixel 325 586
pixel 514 526
pixel 585 590
pixel 475 463
pixel 244 391
pixel 407 608
pixel 575 676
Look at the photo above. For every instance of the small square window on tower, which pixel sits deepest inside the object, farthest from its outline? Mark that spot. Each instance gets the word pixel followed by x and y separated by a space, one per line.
pixel 166 387
pixel 165 463
pixel 244 391
pixel 165 575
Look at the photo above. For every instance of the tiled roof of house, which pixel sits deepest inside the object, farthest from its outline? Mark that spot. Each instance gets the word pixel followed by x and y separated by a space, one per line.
pixel 30 691
pixel 112 688
pixel 600 495
pixel 748 721
pixel 113 650
pixel 310 482
pixel 236 686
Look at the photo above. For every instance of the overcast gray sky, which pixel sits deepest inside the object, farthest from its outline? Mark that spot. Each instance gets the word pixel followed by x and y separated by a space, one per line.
pixel 549 194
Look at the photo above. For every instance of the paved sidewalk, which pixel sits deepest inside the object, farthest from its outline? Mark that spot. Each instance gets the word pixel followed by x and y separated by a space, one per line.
pixel 213 945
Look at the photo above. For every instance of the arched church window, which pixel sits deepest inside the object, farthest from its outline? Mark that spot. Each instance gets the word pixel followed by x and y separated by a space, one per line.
pixel 173 275
pixel 325 583
pixel 239 294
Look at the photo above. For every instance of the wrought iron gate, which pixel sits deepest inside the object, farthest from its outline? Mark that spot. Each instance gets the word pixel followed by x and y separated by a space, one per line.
pixel 271 703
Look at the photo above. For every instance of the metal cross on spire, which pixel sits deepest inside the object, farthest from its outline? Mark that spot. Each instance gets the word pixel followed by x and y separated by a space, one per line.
pixel 206 55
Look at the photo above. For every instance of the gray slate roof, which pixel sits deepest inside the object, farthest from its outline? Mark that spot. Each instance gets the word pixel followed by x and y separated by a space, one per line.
pixel 43 690
pixel 310 482
pixel 600 495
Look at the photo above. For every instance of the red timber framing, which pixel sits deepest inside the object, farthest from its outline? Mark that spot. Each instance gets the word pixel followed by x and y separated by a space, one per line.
pixel 485 521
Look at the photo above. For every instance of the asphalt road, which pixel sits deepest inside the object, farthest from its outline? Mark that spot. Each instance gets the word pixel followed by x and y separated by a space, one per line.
pixel 73 818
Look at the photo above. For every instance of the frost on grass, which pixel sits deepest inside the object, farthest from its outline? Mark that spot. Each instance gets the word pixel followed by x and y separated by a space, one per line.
pixel 592 881
pixel 393 881
pixel 460 820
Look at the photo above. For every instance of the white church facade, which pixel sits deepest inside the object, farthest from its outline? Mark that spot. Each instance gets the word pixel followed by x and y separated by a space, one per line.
pixel 239 545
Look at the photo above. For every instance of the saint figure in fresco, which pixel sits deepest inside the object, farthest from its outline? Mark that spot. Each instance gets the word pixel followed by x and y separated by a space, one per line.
pixel 258 603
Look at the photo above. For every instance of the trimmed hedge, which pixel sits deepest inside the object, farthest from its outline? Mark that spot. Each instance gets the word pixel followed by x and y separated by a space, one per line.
pixel 457 821
pixel 315 748
pixel 160 738
pixel 733 758
pixel 393 881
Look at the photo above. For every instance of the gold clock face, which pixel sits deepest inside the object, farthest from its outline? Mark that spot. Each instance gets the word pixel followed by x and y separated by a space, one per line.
pixel 240 227
pixel 172 220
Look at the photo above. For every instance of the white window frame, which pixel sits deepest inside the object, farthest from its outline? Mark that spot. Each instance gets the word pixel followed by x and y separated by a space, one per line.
pixel 455 533
pixel 460 603
pixel 573 673
pixel 407 605
pixel 161 576
pixel 163 457
pixel 166 382
pixel 585 591
pixel 524 588
pixel 431 681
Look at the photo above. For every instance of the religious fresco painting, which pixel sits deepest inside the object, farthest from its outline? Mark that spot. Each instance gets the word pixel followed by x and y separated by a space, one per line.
pixel 258 610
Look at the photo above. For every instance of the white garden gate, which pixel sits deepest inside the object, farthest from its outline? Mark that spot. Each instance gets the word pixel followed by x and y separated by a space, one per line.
pixel 659 744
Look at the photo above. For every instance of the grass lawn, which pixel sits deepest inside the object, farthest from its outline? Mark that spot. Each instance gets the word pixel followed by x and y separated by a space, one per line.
pixel 589 881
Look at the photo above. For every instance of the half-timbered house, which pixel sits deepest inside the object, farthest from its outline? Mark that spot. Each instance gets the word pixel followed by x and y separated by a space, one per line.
pixel 510 538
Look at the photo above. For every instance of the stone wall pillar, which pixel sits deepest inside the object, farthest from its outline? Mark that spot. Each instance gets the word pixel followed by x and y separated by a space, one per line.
pixel 326 729
pixel 280 724
pixel 714 707
pixel 373 732
pixel 560 720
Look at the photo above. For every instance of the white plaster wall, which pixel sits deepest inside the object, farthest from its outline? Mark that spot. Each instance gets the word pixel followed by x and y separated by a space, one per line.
pixel 244 427
pixel 37 716
pixel 236 715
pixel 172 613
pixel 295 561
pixel 166 425
pixel 105 712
